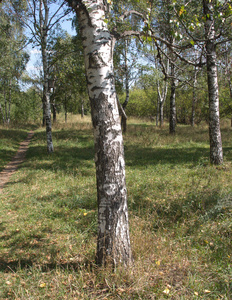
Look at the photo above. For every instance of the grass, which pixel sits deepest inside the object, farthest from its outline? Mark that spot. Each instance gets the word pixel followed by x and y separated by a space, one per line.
pixel 180 217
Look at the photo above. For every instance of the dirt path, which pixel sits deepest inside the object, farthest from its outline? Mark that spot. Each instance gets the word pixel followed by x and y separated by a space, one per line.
pixel 18 159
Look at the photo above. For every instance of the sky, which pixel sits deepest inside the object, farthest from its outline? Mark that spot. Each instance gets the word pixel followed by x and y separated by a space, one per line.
pixel 34 64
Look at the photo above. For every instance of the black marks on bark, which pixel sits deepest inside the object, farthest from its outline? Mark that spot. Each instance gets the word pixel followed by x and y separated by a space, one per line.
pixel 95 61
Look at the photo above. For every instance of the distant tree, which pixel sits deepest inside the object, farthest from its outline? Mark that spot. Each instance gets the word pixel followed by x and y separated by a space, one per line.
pixel 13 59
pixel 216 152
pixel 42 23
pixel 225 80
pixel 68 65
pixel 125 61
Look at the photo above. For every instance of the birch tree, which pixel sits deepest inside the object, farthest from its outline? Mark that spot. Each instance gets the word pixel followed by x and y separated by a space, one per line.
pixel 216 19
pixel 41 22
pixel 216 152
pixel 113 244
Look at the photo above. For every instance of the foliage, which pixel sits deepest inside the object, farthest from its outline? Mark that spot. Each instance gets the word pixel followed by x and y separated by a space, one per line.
pixel 27 107
pixel 141 102
pixel 180 218
pixel 68 66
pixel 13 59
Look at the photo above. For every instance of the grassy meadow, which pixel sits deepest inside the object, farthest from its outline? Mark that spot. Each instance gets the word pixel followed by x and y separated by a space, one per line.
pixel 180 210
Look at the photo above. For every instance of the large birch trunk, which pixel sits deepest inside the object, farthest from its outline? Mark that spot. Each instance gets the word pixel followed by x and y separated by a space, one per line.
pixel 216 152
pixel 113 243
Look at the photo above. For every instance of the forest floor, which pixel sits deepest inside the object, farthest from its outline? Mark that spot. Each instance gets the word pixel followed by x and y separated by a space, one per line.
pixel 16 161
pixel 180 213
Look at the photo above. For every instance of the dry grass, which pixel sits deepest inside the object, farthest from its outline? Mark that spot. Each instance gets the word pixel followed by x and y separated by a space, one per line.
pixel 180 218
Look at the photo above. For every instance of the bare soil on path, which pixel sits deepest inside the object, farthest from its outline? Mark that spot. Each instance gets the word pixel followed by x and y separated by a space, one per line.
pixel 11 168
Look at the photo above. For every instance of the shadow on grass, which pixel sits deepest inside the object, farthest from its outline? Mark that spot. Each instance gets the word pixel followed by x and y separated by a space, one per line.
pixel 20 264
pixel 77 149
pixel 136 156
pixel 175 156
pixel 84 135
pixel 202 206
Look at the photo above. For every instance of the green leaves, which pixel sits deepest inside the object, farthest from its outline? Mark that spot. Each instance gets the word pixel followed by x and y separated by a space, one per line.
pixel 182 10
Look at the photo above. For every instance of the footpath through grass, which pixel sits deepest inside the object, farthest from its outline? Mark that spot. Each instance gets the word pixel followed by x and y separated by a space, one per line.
pixel 180 218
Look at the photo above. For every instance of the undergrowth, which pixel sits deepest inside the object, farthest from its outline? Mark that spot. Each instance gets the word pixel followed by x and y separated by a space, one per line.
pixel 180 210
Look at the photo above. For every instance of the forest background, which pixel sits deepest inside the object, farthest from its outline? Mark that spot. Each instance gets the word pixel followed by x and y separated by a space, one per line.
pixel 180 205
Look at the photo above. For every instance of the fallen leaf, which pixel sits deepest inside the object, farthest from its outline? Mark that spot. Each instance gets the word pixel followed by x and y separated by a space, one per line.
pixel 42 285
pixel 166 291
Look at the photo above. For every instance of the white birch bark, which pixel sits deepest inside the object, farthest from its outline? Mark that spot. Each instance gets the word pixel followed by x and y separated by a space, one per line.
pixel 113 243
pixel 162 98
pixel 216 152
pixel 46 94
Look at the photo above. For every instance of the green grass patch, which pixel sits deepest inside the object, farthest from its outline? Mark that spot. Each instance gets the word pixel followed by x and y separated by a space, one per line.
pixel 180 218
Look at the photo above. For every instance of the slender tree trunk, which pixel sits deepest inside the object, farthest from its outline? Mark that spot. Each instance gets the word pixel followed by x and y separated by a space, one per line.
pixel 1 111
pixel 230 86
pixel 172 117
pixel 162 95
pixel 43 107
pixel 82 109
pixel 54 111
pixel 9 104
pixel 161 113
pixel 5 104
pixel 65 109
pixel 124 105
pixel 113 244
pixel 46 93
pixel 216 152
pixel 194 101
pixel 229 82
pixel 157 111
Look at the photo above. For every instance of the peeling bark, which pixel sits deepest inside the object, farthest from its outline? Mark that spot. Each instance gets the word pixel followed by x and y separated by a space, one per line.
pixel 216 152
pixel 113 243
